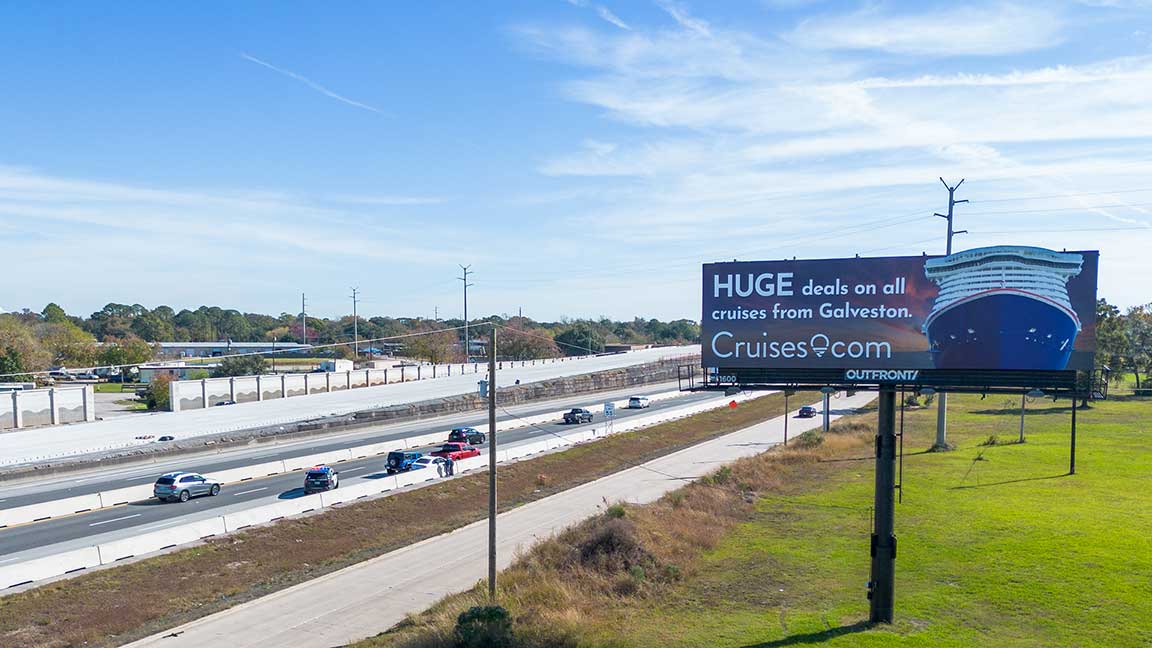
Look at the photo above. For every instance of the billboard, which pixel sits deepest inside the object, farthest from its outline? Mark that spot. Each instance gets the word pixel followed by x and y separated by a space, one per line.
pixel 1002 308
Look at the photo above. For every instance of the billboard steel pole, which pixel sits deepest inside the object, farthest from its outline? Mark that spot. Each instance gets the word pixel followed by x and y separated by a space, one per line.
pixel 881 586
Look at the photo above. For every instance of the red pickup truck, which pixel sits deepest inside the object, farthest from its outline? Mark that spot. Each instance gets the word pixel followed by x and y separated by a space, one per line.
pixel 456 451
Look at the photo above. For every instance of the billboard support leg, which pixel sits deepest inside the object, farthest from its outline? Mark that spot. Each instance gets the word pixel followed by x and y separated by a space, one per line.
pixel 1072 455
pixel 827 415
pixel 881 586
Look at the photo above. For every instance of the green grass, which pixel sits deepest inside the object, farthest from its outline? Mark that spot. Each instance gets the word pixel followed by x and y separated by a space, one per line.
pixel 1007 551
pixel 116 388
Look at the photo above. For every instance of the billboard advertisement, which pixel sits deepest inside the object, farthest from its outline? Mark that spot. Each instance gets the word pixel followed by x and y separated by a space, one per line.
pixel 1011 308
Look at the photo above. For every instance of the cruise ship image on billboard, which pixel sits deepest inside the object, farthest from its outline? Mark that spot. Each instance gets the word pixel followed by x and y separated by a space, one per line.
pixel 1002 307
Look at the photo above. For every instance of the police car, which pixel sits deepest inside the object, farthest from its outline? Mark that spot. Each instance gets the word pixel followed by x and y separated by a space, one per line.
pixel 320 478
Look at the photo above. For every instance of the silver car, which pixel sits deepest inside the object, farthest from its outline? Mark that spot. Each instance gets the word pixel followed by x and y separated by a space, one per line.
pixel 183 486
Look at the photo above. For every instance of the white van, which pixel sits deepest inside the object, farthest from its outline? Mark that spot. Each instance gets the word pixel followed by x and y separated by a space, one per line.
pixel 639 402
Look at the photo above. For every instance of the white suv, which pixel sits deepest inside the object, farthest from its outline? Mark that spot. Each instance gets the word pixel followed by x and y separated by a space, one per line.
pixel 639 402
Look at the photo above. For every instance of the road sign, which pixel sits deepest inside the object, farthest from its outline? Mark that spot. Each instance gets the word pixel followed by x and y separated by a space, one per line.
pixel 609 410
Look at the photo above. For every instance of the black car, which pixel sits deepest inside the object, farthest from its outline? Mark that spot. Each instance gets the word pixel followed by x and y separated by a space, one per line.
pixel 320 478
pixel 806 412
pixel 468 435
pixel 578 415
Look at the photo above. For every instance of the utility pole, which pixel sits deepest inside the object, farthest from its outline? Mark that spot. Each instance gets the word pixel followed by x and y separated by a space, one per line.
pixel 942 399
pixel 491 466
pixel 355 327
pixel 304 317
pixel 467 342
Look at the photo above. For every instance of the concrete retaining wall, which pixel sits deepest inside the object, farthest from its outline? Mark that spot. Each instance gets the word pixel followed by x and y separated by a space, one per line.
pixel 52 406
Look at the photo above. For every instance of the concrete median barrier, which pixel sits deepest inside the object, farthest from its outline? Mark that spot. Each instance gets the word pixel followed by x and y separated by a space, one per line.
pixel 155 541
pixel 45 510
pixel 55 565
pixel 243 473
pixel 125 495
pixel 348 493
pixel 269 512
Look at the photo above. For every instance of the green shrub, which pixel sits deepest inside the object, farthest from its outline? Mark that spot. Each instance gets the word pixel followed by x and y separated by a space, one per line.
pixel 809 439
pixel 484 626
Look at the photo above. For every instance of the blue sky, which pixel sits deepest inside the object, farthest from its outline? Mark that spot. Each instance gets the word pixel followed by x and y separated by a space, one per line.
pixel 584 156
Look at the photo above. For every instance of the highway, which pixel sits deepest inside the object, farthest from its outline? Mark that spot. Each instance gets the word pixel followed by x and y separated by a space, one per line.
pixel 370 597
pixel 54 535
pixel 40 445
pixel 42 489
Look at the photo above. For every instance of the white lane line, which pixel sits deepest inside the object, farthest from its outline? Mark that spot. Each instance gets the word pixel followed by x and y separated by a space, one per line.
pixel 162 524
pixel 9 560
pixel 254 490
pixel 347 470
pixel 119 519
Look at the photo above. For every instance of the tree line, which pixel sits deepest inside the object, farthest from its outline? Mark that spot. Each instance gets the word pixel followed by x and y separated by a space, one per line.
pixel 125 334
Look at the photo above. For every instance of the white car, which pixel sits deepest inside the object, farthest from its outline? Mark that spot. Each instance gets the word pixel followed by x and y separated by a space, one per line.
pixel 639 402
pixel 436 463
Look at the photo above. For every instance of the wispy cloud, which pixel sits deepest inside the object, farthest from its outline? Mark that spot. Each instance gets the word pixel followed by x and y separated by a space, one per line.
pixel 603 12
pixel 975 31
pixel 745 136
pixel 311 84
pixel 686 20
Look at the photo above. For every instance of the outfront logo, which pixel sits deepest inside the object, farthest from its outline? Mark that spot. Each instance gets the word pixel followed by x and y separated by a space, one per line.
pixel 882 375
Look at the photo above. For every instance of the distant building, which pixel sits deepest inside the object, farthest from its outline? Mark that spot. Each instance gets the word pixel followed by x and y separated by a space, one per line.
pixel 214 349
pixel 174 370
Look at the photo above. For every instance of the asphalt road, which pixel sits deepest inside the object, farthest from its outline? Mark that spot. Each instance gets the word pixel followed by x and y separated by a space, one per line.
pixel 370 597
pixel 58 534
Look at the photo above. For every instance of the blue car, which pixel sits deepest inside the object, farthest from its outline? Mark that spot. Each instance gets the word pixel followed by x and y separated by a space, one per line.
pixel 401 460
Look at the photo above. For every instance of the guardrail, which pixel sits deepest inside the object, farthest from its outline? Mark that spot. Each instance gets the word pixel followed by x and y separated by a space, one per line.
pixel 37 569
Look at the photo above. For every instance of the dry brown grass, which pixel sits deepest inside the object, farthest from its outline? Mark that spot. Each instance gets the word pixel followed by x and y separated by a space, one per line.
pixel 555 591
pixel 115 606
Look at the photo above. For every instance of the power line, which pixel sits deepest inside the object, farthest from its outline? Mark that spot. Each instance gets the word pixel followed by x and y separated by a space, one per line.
pixel 1055 209
pixel 1062 195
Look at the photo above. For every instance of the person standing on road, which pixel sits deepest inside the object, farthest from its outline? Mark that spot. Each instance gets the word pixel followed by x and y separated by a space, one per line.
pixel 449 466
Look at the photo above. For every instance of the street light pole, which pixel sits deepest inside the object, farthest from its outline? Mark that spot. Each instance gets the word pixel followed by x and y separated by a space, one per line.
pixel 492 466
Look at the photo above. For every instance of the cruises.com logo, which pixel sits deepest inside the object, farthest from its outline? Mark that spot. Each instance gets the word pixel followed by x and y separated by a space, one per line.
pixel 726 345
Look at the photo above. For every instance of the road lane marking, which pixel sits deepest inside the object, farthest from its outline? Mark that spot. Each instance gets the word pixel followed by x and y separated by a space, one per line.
pixel 254 490
pixel 347 470
pixel 119 519
pixel 162 524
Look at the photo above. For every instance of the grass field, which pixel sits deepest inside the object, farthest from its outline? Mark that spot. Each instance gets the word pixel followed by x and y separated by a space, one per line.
pixel 998 546
pixel 116 388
